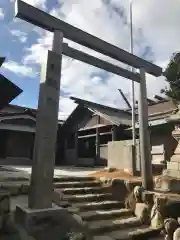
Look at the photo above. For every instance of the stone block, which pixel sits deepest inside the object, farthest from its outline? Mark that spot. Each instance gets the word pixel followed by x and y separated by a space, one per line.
pixel 171 185
pixel 170 226
pixel 156 150
pixel 52 223
pixel 4 202
pixel 173 173
pixel 175 158
pixel 176 234
pixel 157 159
pixel 173 165
pixel 177 151
pixel 142 212
pixel 165 185
pixel 118 189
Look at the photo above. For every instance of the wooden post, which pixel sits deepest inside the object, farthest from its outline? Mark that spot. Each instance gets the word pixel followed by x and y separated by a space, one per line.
pixel 76 143
pixel 97 140
pixel 114 133
pixel 145 148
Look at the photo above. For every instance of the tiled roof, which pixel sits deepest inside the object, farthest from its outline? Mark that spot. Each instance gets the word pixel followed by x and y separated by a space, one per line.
pixel 157 111
pixel 6 114
pixel 161 109
pixel 8 91
pixel 113 115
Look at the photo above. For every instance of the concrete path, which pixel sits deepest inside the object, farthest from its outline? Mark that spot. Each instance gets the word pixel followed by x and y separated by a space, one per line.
pixel 25 171
pixel 65 171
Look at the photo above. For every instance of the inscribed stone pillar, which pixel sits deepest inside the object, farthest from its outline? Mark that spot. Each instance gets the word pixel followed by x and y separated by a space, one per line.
pixel 46 128
pixel 173 166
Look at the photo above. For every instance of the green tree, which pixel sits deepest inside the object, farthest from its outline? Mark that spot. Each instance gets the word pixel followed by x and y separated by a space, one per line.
pixel 172 74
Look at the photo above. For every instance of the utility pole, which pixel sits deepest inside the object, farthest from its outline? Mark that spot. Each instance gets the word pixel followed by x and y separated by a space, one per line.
pixel 125 99
pixel 132 69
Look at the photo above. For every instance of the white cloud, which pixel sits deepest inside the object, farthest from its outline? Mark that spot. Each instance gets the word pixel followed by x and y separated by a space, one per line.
pixel 19 69
pixel 65 107
pixel 1 13
pixel 76 76
pixel 159 23
pixel 21 35
pixel 153 26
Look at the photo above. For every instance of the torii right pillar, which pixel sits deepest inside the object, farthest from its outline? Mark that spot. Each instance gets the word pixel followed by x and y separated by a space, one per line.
pixel 145 148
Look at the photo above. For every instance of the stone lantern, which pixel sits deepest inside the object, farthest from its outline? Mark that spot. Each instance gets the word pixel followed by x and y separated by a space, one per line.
pixel 170 179
pixel 173 167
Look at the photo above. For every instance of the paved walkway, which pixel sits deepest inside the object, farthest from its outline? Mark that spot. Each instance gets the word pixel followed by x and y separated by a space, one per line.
pixel 7 172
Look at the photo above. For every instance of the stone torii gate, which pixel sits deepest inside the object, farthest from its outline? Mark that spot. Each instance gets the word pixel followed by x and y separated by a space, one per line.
pixel 40 196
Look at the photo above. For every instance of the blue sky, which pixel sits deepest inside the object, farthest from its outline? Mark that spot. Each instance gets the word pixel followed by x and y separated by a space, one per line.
pixel 13 49
pixel 156 37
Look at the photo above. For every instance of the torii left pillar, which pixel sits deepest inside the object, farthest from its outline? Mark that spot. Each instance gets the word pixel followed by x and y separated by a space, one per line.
pixel 46 128
pixel 39 207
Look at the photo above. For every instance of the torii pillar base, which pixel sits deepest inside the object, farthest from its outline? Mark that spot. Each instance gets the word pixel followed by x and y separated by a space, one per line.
pixel 44 224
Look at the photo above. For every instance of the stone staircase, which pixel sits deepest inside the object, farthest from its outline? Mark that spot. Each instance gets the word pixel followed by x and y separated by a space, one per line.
pixel 106 218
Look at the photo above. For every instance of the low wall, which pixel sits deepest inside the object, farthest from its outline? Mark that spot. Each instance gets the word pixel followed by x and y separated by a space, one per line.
pixel 16 161
pixel 104 151
pixel 120 156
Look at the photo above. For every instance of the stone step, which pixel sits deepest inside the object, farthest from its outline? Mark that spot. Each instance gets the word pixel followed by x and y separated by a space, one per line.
pixel 14 179
pixel 73 179
pixel 77 184
pixel 83 190
pixel 142 232
pixel 22 187
pixel 88 197
pixel 120 234
pixel 107 226
pixel 15 188
pixel 99 205
pixel 105 214
pixel 157 238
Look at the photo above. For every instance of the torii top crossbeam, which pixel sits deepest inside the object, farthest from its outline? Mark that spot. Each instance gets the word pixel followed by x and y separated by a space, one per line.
pixel 50 23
